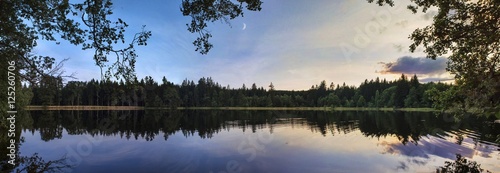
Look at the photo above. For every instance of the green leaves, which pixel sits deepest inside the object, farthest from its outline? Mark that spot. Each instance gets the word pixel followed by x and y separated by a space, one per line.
pixel 202 11
pixel 469 32
pixel 25 22
pixel 383 2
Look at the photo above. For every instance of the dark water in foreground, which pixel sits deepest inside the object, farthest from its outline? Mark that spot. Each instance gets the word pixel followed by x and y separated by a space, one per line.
pixel 258 141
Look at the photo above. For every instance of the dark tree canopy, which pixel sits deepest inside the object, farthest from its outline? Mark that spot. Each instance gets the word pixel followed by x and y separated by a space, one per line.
pixel 23 23
pixel 203 11
pixel 88 24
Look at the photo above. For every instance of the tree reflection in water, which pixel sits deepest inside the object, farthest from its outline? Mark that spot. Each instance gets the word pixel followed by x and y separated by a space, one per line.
pixel 461 165
pixel 408 127
pixel 412 129
pixel 36 164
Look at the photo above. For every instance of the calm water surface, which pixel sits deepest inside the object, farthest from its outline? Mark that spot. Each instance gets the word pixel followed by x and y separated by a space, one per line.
pixel 258 141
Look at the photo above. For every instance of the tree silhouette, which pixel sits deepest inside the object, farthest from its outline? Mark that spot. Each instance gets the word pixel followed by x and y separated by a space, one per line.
pixel 461 165
pixel 202 12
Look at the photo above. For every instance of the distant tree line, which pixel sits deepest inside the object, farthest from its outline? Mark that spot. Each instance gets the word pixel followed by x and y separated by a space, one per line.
pixel 399 93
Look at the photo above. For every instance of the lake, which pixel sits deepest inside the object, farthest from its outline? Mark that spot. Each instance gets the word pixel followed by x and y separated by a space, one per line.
pixel 258 141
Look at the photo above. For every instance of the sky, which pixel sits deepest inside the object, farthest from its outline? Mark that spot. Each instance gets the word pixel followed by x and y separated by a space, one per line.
pixel 293 44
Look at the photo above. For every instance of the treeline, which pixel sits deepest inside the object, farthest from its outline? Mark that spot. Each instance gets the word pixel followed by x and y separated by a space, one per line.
pixel 205 92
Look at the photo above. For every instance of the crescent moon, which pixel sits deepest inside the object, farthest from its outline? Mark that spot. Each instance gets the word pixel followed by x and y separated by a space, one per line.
pixel 244 26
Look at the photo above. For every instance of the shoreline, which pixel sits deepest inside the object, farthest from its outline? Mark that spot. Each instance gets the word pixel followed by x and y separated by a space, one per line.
pixel 37 107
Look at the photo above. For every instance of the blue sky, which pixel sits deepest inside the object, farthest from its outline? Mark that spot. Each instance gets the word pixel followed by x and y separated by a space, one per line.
pixel 294 44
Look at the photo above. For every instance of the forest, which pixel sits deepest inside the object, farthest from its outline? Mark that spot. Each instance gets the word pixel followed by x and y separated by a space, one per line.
pixel 400 93
pixel 466 33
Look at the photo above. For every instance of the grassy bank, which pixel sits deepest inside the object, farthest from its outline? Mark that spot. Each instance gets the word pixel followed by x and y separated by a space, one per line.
pixel 226 108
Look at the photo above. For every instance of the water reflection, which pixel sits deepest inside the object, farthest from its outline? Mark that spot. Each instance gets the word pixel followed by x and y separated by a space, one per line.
pixel 406 126
pixel 203 141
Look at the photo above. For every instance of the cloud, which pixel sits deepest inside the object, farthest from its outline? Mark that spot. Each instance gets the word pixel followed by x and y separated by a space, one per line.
pixel 415 65
pixel 427 147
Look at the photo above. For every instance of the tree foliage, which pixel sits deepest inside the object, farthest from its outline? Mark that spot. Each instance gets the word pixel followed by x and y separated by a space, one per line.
pixel 461 165
pixel 469 32
pixel 87 23
pixel 203 11
pixel 24 23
